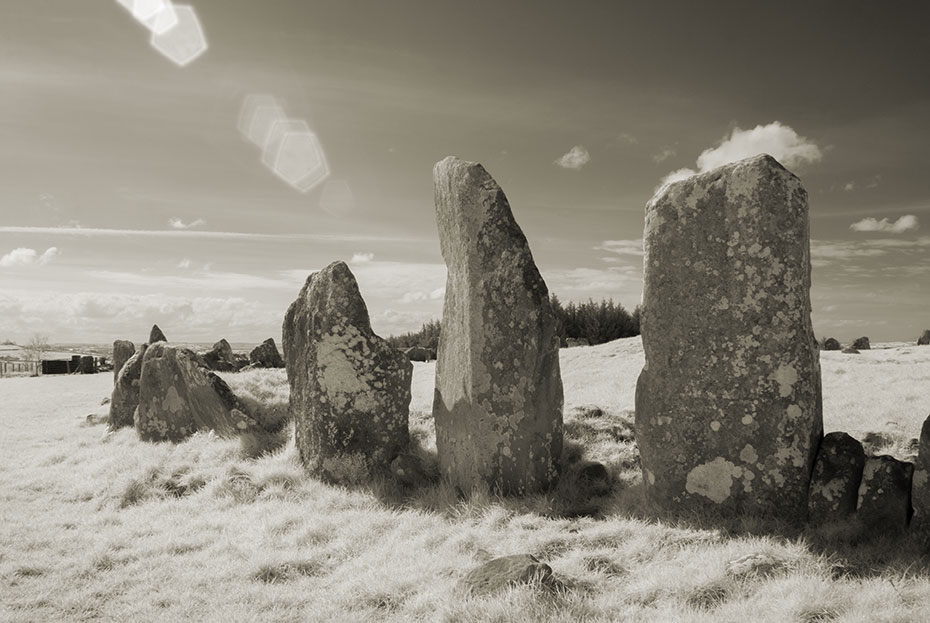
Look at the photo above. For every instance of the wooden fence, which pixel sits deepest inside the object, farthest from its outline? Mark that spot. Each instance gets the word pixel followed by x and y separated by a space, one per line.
pixel 17 368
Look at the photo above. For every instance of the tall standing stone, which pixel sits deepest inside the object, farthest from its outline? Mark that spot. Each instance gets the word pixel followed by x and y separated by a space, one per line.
pixel 920 487
pixel 728 405
pixel 125 397
pixel 350 390
pixel 498 399
pixel 156 335
pixel 122 351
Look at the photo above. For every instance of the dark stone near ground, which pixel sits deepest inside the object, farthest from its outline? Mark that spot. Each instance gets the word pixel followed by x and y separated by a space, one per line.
pixel 920 488
pixel 122 351
pixel 155 335
pixel 594 477
pixel 885 494
pixel 179 395
pixel 266 355
pixel 410 471
pixel 580 341
pixel 241 361
pixel 417 353
pixel 350 390
pixel 831 344
pixel 834 489
pixel 499 574
pixel 125 397
pixel 861 343
pixel 924 338
pixel 850 351
pixel 728 405
pixel 220 358
pixel 498 398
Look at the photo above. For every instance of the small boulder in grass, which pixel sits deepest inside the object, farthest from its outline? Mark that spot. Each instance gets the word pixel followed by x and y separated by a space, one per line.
pixel 501 573
pixel 759 564
pixel 861 343
pixel 850 351
pixel 924 339
pixel 884 504
pixel 594 477
pixel 831 343
pixel 410 471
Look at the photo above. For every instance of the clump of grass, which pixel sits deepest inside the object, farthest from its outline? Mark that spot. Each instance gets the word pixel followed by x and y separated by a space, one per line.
pixel 274 572
pixel 263 395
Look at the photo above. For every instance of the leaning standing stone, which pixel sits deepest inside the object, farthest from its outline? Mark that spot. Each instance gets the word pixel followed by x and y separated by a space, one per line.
pixel 728 405
pixel 498 398
pixel 885 494
pixel 920 487
pixel 122 351
pixel 835 482
pixel 179 395
pixel 350 390
pixel 125 397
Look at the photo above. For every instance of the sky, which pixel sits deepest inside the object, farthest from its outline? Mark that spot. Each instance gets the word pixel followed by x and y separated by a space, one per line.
pixel 129 194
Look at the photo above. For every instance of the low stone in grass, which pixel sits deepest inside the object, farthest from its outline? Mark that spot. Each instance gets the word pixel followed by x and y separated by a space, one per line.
pixel 220 358
pixel 594 477
pixel 156 335
pixel 884 504
pixel 861 343
pixel 831 343
pixel 834 488
pixel 178 396
pixel 122 351
pixel 266 355
pixel 125 397
pixel 920 486
pixel 410 471
pixel 501 573
pixel 924 339
pixel 850 351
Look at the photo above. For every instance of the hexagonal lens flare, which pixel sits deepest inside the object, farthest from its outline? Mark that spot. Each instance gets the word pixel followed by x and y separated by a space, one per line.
pixel 300 160
pixel 183 42
pixel 263 120
pixel 159 16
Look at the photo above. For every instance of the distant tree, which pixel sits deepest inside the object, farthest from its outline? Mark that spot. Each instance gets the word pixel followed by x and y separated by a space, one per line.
pixel 597 323
pixel 426 337
pixel 35 348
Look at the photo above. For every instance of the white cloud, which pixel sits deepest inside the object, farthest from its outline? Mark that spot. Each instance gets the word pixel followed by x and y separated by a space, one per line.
pixel 908 222
pixel 622 247
pixel 849 186
pixel 361 258
pixel 185 263
pixel 93 232
pixel 576 158
pixel 177 223
pixel 664 155
pixel 27 257
pixel 775 139
pixel 626 137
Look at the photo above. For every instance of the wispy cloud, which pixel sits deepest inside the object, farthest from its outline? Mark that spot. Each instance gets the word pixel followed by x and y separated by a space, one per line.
pixel 906 223
pixel 776 139
pixel 177 223
pixel 27 257
pixel 622 247
pixel 186 233
pixel 361 258
pixel 576 158
pixel 664 155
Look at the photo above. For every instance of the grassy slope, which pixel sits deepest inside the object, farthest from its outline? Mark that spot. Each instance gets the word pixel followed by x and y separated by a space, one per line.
pixel 105 529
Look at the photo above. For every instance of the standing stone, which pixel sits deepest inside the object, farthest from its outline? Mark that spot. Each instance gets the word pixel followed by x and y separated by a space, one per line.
pixel 861 343
pixel 178 396
pixel 122 351
pixel 350 391
pixel 834 489
pixel 221 358
pixel 885 494
pixel 498 399
pixel 920 487
pixel 924 338
pixel 831 343
pixel 155 335
pixel 125 397
pixel 266 355
pixel 728 404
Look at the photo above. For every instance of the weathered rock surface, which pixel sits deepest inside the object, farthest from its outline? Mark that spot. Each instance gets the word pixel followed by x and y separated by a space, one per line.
pixel 350 390
pixel 179 395
pixel 155 335
pixel 573 342
pixel 501 573
pixel 924 338
pixel 266 355
pixel 861 343
pixel 885 494
pixel 125 397
pixel 920 487
pixel 418 353
pixel 728 405
pixel 831 343
pixel 410 471
pixel 220 358
pixel 498 398
pixel 122 351
pixel 834 489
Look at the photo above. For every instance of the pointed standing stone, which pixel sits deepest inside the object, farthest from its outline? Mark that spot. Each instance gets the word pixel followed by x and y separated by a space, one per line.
pixel 728 405
pixel 125 397
pixel 155 335
pixel 266 355
pixel 498 397
pixel 350 390
pixel 834 488
pixel 122 351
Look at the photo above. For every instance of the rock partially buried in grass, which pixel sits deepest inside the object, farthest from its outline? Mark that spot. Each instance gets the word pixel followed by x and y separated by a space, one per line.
pixel 220 358
pixel 920 486
pixel 861 343
pixel 156 335
pixel 501 573
pixel 410 471
pixel 498 398
pixel 885 494
pixel 122 351
pixel 350 391
pixel 831 344
pixel 178 396
pixel 834 489
pixel 266 355
pixel 924 338
pixel 728 404
pixel 850 351
pixel 125 397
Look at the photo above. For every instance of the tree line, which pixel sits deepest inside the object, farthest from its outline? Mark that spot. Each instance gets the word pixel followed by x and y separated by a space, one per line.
pixel 594 321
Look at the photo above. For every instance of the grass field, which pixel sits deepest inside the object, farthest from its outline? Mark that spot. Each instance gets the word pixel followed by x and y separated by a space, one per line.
pixel 96 527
